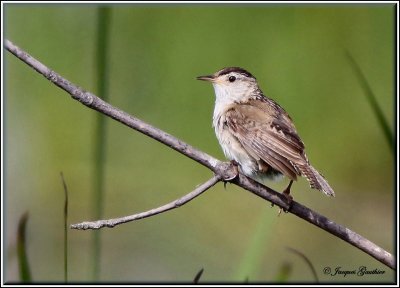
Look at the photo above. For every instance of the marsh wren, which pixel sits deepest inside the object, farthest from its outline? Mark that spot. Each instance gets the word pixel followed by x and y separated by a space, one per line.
pixel 256 133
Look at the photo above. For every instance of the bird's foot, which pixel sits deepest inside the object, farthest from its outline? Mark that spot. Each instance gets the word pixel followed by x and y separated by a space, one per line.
pixel 235 167
pixel 289 200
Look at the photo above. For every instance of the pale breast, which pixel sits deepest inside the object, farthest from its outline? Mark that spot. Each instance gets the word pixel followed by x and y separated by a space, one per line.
pixel 232 148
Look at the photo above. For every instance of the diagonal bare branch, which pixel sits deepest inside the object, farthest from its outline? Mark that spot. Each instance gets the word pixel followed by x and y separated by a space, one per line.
pixel 172 205
pixel 222 169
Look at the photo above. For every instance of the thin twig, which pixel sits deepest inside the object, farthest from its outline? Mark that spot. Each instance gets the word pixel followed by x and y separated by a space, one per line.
pixel 172 205
pixel 222 169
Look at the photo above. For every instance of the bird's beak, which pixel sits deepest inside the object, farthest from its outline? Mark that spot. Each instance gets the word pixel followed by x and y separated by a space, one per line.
pixel 210 78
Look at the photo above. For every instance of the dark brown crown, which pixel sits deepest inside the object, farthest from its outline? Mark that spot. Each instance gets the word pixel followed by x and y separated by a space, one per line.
pixel 237 70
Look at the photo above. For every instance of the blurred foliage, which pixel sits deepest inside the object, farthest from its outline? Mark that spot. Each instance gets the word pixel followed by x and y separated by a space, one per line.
pixel 306 261
pixel 102 54
pixel 24 268
pixel 198 276
pixel 284 273
pixel 156 51
pixel 252 258
pixel 66 228
pixel 371 98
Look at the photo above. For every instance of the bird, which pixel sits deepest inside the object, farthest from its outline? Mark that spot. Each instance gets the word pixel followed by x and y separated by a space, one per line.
pixel 257 134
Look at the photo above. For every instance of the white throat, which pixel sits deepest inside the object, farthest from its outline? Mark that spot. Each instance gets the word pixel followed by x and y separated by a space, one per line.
pixel 227 95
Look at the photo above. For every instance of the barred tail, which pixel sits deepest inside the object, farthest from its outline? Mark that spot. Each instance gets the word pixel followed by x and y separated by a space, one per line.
pixel 317 181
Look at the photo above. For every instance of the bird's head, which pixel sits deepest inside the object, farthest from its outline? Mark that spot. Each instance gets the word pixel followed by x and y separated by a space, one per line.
pixel 232 84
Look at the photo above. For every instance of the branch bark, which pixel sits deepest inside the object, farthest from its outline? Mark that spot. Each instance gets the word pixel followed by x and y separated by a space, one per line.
pixel 223 170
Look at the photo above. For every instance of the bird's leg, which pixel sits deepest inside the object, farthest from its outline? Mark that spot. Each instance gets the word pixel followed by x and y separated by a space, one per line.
pixel 235 167
pixel 288 197
pixel 286 192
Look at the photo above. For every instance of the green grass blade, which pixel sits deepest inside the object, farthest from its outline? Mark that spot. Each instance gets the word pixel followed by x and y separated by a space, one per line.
pixel 370 96
pixel 284 273
pixel 65 228
pixel 198 276
pixel 251 260
pixel 103 26
pixel 24 268
pixel 308 262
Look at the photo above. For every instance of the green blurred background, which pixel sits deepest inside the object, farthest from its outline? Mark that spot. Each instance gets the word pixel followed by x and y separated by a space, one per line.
pixel 297 53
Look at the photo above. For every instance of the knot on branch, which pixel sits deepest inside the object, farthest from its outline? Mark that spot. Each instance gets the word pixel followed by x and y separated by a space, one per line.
pixel 82 96
pixel 226 171
pixel 52 76
pixel 92 225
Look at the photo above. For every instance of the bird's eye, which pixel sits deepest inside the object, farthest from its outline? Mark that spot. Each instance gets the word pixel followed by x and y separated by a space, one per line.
pixel 232 79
